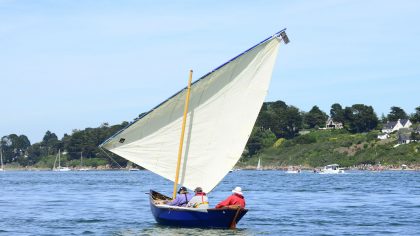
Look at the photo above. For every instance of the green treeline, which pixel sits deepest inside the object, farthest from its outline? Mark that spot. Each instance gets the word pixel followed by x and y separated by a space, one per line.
pixel 283 135
pixel 81 143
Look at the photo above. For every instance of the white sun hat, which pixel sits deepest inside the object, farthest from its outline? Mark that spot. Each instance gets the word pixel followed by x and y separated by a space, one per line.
pixel 237 190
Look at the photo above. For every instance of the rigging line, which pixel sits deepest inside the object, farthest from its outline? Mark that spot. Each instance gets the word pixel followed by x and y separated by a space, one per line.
pixel 110 157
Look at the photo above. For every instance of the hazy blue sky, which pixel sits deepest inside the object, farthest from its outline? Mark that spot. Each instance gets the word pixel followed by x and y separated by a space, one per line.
pixel 75 64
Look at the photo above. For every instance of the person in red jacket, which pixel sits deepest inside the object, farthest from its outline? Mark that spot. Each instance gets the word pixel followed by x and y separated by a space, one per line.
pixel 235 200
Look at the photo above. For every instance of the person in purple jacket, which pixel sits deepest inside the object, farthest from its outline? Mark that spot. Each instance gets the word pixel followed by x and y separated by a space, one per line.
pixel 181 199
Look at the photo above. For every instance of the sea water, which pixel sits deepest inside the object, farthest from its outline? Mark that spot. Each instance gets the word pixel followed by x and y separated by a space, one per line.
pixel 116 203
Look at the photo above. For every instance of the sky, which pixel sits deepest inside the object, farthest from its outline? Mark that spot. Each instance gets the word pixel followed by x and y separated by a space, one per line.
pixel 73 64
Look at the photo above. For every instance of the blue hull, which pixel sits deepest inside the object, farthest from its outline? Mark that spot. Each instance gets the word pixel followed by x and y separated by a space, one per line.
pixel 181 217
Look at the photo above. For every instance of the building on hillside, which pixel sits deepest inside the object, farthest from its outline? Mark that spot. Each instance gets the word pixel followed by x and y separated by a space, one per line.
pixel 392 126
pixel 404 136
pixel 331 124
pixel 383 136
pixel 406 123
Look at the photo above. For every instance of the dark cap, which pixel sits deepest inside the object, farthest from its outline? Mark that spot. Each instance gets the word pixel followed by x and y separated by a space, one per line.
pixel 182 189
pixel 198 190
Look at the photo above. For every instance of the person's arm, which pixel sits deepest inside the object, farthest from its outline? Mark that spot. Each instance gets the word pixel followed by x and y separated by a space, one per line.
pixel 175 202
pixel 224 203
pixel 191 202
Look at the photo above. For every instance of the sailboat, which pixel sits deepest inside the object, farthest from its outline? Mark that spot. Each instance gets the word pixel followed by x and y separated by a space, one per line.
pixel 130 167
pixel 1 160
pixel 59 168
pixel 259 164
pixel 195 137
pixel 81 163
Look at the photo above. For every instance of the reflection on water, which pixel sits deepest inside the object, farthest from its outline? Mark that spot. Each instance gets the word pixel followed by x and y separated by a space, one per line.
pixel 115 203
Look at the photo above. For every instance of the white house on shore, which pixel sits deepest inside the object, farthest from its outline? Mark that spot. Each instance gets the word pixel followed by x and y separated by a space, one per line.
pixel 331 124
pixel 398 125
pixel 392 126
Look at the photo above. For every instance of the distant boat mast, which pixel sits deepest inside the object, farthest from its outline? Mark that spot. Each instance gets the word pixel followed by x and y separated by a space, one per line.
pixel 259 164
pixel 1 160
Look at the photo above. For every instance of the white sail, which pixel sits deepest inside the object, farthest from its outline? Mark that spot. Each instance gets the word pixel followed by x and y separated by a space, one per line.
pixel 1 160
pixel 224 106
pixel 259 164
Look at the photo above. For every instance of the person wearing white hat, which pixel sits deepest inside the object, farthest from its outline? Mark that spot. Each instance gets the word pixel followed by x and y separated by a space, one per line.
pixel 233 201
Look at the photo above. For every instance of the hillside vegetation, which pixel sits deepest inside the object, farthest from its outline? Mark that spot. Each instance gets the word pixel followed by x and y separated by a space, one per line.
pixel 277 137
pixel 322 147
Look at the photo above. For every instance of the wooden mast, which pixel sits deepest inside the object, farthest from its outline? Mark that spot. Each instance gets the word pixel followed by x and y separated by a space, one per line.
pixel 181 141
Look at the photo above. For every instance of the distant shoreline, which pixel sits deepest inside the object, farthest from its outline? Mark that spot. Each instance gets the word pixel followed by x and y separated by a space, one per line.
pixel 247 167
pixel 285 168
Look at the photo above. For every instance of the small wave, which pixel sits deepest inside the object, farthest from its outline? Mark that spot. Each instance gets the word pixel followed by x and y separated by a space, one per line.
pixel 88 232
pixel 88 220
pixel 396 224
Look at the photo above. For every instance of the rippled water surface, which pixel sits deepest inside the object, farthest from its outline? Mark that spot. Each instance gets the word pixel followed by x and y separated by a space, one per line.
pixel 115 203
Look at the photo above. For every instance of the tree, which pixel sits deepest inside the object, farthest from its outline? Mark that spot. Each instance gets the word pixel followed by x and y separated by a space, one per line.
pixel 337 113
pixel 384 119
pixel 288 122
pixel 315 118
pixel 18 148
pixel 397 113
pixel 260 138
pixel 14 147
pixel 415 117
pixel 77 143
pixel 7 148
pixel 415 136
pixel 360 118
pixel 266 119
pixel 23 142
pixel 50 143
pixel 86 141
pixel 283 120
pixel 34 153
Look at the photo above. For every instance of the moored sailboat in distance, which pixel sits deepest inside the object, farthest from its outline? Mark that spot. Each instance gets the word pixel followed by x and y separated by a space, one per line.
pixel 131 167
pixel 82 168
pixel 59 168
pixel 259 164
pixel 195 137
pixel 1 160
